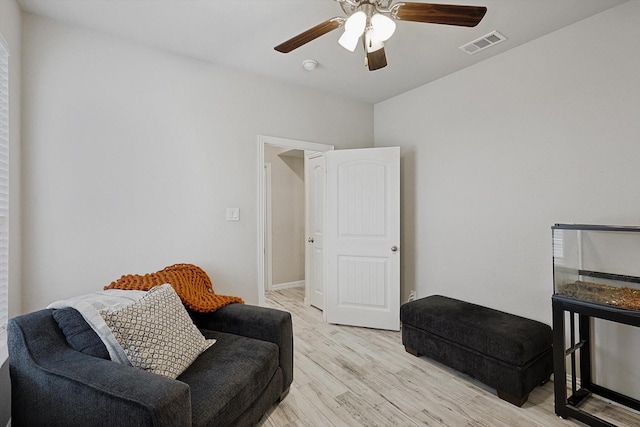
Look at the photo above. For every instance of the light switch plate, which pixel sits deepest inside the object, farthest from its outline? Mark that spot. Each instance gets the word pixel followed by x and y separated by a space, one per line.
pixel 233 214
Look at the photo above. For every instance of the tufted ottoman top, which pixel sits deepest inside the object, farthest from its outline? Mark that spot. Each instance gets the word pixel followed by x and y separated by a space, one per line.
pixel 503 336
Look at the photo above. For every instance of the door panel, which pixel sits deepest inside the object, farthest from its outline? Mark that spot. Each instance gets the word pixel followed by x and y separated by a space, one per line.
pixel 362 237
pixel 362 281
pixel 315 184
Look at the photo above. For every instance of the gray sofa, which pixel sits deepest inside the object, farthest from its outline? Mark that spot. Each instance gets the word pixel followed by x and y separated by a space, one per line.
pixel 64 379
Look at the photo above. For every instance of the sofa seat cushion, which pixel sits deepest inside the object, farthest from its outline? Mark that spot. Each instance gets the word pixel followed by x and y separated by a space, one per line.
pixel 228 377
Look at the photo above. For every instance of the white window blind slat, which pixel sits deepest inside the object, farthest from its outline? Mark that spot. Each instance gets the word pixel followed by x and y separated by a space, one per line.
pixel 4 184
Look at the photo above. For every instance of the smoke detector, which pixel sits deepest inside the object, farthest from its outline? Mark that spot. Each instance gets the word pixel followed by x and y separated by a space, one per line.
pixel 309 64
pixel 483 42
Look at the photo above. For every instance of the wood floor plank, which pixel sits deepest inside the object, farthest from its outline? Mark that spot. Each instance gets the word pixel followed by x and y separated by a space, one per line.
pixel 329 405
pixel 372 415
pixel 319 375
pixel 306 412
pixel 347 376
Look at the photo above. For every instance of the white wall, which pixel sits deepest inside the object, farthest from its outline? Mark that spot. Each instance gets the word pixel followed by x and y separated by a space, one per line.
pixel 497 153
pixel 132 155
pixel 10 28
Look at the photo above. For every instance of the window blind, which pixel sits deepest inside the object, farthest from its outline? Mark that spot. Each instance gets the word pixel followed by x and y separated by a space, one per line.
pixel 4 184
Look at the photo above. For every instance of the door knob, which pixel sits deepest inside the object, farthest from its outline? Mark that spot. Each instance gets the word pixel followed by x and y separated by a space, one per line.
pixel 394 248
pixel 310 240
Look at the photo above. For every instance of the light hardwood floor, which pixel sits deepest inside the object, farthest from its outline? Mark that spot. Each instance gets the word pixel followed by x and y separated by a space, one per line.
pixel 347 376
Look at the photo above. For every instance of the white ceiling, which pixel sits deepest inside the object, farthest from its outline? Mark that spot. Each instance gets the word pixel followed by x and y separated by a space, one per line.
pixel 242 33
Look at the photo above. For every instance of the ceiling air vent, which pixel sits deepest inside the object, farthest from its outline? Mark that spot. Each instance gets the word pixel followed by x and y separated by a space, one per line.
pixel 483 42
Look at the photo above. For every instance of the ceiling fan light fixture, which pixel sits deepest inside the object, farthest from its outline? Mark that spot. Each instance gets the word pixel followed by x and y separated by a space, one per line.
pixel 372 42
pixel 375 19
pixel 356 23
pixel 383 26
pixel 348 41
pixel 353 29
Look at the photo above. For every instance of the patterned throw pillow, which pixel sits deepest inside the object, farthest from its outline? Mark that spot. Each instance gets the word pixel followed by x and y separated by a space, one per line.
pixel 157 333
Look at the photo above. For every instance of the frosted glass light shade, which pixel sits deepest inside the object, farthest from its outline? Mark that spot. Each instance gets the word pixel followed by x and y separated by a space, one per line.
pixel 372 42
pixel 383 26
pixel 353 29
pixel 348 41
pixel 356 23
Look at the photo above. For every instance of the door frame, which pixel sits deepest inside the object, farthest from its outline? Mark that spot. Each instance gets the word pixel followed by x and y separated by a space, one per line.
pixel 268 249
pixel 261 212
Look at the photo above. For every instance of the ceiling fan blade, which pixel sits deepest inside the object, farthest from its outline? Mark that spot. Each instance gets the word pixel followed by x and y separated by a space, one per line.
pixel 376 60
pixel 309 35
pixel 448 14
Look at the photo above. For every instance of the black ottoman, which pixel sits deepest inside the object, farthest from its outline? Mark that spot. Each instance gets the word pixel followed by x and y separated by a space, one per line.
pixel 506 352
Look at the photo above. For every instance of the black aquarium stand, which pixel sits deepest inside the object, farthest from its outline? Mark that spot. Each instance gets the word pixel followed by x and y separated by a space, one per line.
pixel 567 406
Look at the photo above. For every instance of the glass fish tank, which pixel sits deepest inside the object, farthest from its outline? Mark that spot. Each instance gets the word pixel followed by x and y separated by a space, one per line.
pixel 598 264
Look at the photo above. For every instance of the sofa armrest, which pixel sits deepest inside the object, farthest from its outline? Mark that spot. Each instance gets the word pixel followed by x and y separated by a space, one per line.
pixel 262 323
pixel 53 384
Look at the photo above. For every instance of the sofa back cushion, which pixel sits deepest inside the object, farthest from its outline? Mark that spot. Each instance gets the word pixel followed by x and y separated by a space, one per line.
pixel 79 334
pixel 89 304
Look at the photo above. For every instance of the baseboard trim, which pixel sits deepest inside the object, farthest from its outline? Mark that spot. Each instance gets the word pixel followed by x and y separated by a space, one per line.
pixel 287 285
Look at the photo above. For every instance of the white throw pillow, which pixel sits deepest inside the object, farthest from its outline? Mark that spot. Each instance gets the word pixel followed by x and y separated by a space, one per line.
pixel 156 332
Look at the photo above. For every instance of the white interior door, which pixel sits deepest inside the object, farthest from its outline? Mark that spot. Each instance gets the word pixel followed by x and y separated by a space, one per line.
pixel 314 190
pixel 362 237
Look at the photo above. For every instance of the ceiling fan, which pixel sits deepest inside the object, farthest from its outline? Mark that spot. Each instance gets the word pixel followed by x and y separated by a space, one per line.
pixel 373 20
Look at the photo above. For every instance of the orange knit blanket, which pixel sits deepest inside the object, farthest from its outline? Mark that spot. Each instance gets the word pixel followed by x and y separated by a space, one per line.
pixel 190 282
